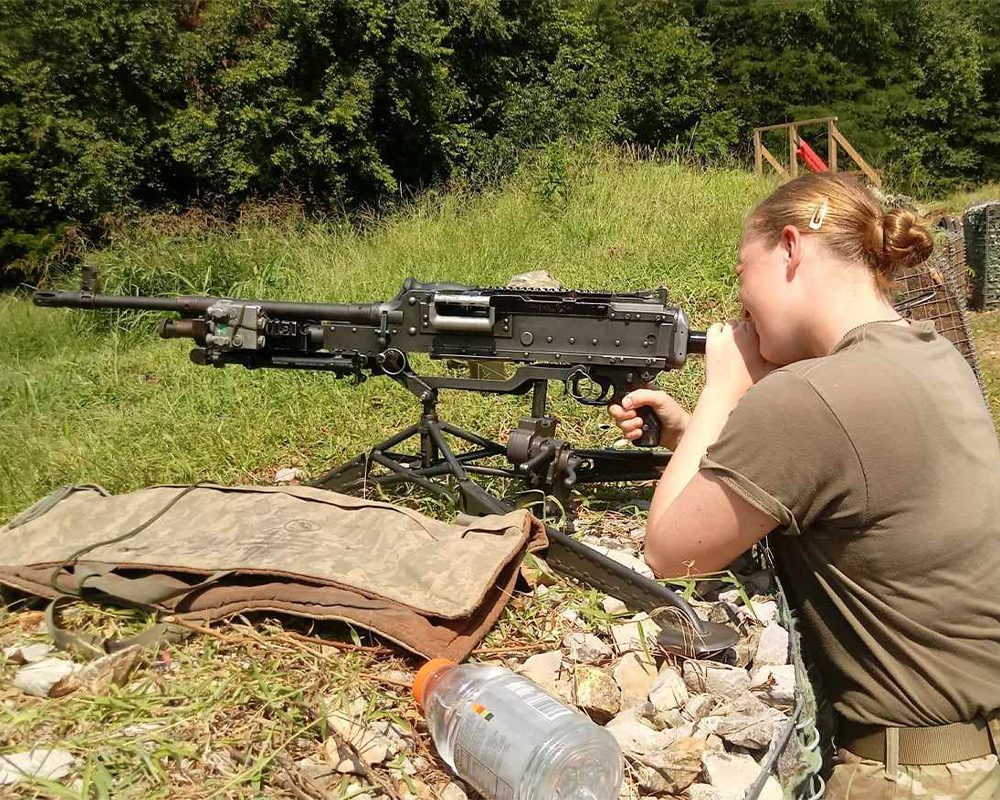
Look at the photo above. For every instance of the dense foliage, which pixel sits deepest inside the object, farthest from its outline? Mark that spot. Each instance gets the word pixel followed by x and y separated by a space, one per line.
pixel 109 105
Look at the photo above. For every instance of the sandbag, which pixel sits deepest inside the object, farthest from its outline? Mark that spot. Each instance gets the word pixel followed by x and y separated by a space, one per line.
pixel 430 586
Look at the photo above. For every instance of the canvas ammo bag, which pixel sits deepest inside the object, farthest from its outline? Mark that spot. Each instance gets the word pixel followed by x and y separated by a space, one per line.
pixel 205 551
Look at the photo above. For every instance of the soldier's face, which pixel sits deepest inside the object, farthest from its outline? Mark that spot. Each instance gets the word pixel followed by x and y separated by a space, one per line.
pixel 769 298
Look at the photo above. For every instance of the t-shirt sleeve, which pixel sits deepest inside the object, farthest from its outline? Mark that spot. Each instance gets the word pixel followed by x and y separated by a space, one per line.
pixel 784 451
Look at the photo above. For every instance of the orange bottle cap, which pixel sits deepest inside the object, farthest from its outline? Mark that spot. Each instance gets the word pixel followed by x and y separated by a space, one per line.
pixel 429 669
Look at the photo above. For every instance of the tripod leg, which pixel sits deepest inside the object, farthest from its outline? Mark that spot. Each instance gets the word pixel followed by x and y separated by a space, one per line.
pixel 472 438
pixel 474 499
pixel 348 477
pixel 351 475
pixel 406 476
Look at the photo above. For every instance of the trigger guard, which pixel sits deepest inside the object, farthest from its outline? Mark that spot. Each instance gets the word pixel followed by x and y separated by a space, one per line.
pixel 572 388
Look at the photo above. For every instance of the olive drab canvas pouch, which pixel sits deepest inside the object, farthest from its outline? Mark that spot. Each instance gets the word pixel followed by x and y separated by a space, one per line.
pixel 205 551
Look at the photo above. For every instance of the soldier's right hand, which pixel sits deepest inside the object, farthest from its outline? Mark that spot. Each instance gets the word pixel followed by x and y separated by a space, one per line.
pixel 673 418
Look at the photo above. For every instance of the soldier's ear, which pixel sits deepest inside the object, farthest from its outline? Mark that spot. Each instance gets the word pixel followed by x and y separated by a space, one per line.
pixel 790 243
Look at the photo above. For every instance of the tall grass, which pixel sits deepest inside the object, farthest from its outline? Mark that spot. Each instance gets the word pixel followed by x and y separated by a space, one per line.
pixel 98 398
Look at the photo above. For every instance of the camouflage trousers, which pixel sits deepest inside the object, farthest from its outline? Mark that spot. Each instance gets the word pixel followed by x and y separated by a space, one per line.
pixel 856 778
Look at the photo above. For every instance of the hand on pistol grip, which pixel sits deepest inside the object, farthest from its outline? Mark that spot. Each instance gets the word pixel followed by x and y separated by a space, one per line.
pixel 649 417
pixel 628 420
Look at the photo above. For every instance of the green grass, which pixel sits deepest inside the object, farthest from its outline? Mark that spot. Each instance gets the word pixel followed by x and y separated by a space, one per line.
pixel 957 202
pixel 82 400
pixel 986 334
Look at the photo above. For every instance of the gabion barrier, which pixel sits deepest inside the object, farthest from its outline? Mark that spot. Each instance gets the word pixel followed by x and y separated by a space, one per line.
pixel 982 249
pixel 930 289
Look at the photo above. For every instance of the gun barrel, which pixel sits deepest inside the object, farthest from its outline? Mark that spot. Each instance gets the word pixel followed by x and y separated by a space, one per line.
pixel 88 300
pixel 358 314
pixel 696 341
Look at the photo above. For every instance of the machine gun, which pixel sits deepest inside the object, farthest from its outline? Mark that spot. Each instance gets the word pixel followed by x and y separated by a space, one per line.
pixel 600 345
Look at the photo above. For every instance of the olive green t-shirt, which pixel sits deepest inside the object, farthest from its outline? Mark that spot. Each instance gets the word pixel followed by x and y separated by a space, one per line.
pixel 881 465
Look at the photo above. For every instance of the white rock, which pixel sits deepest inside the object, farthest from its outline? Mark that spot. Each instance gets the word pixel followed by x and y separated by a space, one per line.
pixel 141 730
pixel 746 648
pixel 597 693
pixel 730 772
pixel 564 690
pixel 27 653
pixel 774 685
pixel 288 475
pixel 612 605
pixel 97 676
pixel 772 647
pixel 542 668
pixel 628 638
pixel 625 559
pixel 322 775
pixel 771 790
pixel 41 677
pixel 668 691
pixel 374 740
pixel 760 610
pixel 698 706
pixel 585 648
pixel 717 679
pixel 571 616
pixel 453 792
pixel 538 573
pixel 406 767
pixel 744 722
pixel 671 770
pixel 705 791
pixel 634 674
pixel 37 763
pixel 671 718
pixel 634 736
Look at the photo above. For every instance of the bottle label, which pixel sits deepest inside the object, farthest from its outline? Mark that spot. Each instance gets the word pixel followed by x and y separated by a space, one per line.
pixel 498 734
pixel 550 708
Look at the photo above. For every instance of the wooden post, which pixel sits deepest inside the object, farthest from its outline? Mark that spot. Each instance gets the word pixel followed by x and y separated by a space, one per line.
pixel 872 174
pixel 757 155
pixel 793 161
pixel 772 161
pixel 831 147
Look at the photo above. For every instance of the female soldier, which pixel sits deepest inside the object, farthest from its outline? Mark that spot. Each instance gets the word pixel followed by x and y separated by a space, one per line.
pixel 864 442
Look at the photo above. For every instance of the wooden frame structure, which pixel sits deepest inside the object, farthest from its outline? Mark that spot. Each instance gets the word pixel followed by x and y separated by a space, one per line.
pixel 833 136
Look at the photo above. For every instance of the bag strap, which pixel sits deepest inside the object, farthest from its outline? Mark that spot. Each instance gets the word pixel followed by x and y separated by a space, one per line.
pixel 46 503
pixel 71 560
pixel 146 591
pixel 93 646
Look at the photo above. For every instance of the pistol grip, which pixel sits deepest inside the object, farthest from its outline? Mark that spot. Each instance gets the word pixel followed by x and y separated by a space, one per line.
pixel 650 428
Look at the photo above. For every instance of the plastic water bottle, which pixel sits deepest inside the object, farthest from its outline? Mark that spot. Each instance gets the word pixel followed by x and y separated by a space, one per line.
pixel 511 740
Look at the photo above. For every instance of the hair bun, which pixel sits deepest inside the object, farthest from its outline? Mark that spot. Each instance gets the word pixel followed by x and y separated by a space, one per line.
pixel 905 241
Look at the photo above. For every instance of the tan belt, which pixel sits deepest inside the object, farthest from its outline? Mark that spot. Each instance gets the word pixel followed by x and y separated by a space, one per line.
pixel 941 744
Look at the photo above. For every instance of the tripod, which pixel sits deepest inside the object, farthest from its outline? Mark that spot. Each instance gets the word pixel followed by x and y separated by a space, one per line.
pixel 548 466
